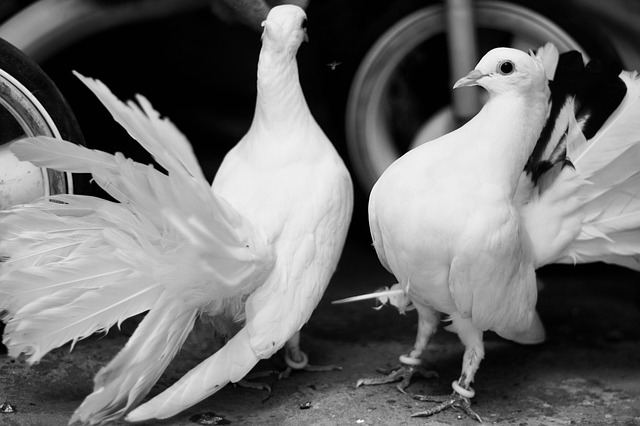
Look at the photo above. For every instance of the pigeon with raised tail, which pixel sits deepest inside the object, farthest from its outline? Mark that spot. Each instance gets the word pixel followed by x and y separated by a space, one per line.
pixel 258 248
pixel 546 172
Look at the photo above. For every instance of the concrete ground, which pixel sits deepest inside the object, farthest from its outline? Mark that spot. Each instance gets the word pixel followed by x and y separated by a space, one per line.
pixel 588 371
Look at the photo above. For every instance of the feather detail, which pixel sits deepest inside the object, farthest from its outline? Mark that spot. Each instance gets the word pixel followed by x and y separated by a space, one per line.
pixel 384 294
pixel 74 265
pixel 73 314
pixel 532 335
pixel 286 149
pixel 173 246
pixel 235 248
pixel 230 364
pixel 394 295
pixel 60 155
pixel 25 286
pixel 589 206
pixel 612 202
pixel 548 55
pixel 130 375
pixel 582 98
pixel 173 152
pixel 618 133
pixel 158 136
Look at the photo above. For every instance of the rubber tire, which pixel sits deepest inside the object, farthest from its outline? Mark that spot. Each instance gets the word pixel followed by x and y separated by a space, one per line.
pixel 29 74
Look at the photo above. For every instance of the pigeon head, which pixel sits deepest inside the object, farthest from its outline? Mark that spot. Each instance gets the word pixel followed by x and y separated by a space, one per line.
pixel 285 28
pixel 504 70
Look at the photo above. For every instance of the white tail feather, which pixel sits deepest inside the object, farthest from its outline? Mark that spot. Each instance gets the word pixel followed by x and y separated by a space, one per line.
pixel 605 189
pixel 173 152
pixel 230 364
pixel 619 132
pixel 72 265
pixel 548 55
pixel 73 314
pixel 26 285
pixel 130 375
pixel 375 295
pixel 158 136
pixel 61 155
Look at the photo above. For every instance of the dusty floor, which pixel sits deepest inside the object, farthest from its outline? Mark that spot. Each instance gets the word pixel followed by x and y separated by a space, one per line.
pixel 588 372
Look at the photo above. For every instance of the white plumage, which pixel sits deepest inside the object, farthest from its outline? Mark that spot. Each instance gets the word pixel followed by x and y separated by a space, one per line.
pixel 259 246
pixel 463 227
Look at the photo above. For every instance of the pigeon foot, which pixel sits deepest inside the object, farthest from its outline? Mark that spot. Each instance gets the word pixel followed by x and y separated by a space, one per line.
pixel 403 373
pixel 303 364
pixel 460 398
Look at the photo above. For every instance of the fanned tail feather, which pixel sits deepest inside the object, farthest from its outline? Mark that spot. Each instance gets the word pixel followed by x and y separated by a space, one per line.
pixel 620 132
pixel 230 364
pixel 73 314
pixel 611 162
pixel 582 97
pixel 172 151
pixel 61 155
pixel 127 379
pixel 608 165
pixel 182 198
pixel 105 168
pixel 157 135
pixel 72 265
pixel 66 277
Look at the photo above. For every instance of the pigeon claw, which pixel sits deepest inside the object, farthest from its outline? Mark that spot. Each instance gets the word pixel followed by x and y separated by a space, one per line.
pixel 454 400
pixel 403 373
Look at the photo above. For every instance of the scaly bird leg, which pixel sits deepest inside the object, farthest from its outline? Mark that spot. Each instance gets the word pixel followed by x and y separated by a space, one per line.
pixel 412 363
pixel 298 360
pixel 462 391
pixel 408 367
pixel 460 398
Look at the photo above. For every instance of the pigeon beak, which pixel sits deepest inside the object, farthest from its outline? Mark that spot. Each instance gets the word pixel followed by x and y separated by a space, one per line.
pixel 470 79
pixel 306 36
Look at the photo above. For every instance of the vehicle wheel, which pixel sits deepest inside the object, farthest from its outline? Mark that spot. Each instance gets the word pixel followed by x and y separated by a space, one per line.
pixel 132 46
pixel 31 105
pixel 400 94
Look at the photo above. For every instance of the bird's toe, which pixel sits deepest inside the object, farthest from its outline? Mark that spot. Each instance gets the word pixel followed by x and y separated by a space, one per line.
pixel 455 400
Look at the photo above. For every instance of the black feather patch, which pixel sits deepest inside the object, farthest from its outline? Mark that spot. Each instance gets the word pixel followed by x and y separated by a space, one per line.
pixel 597 91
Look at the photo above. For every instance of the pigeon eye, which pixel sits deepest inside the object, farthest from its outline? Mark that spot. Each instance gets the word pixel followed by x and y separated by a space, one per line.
pixel 505 67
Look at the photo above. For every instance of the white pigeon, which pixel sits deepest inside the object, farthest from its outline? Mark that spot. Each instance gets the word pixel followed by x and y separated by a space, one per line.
pixel 464 221
pixel 258 247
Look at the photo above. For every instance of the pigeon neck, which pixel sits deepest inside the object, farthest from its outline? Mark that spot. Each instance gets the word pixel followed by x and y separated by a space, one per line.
pixel 280 100
pixel 504 135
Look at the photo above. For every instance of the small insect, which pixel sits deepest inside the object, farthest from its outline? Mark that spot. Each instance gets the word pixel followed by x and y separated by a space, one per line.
pixel 305 406
pixel 333 65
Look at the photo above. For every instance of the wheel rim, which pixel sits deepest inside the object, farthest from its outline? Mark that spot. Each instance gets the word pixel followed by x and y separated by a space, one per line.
pixel 378 113
pixel 23 115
